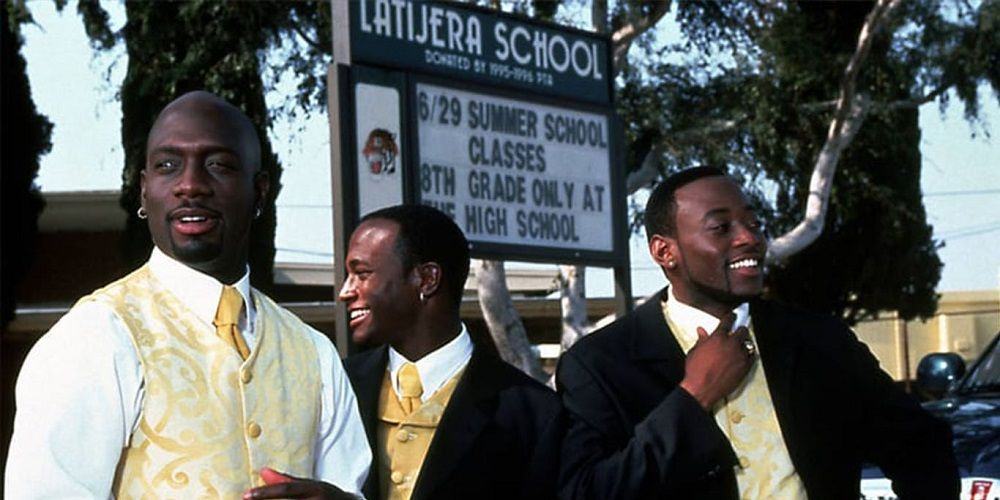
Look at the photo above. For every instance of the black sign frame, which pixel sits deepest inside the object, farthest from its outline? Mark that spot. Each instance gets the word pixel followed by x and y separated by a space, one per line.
pixel 346 72
pixel 379 50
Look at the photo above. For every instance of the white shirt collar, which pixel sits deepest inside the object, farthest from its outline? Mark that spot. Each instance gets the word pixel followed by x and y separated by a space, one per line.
pixel 200 292
pixel 436 368
pixel 689 318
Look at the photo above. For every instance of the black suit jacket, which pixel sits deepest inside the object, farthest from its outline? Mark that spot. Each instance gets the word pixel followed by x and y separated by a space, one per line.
pixel 498 438
pixel 634 434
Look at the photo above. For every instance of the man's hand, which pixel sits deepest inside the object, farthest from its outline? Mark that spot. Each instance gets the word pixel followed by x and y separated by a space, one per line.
pixel 717 363
pixel 280 485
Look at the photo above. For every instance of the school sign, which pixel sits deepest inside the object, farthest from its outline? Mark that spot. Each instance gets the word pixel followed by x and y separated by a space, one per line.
pixel 501 122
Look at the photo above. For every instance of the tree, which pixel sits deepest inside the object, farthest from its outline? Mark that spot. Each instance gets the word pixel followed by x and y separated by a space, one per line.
pixel 757 98
pixel 629 21
pixel 759 87
pixel 26 137
pixel 176 47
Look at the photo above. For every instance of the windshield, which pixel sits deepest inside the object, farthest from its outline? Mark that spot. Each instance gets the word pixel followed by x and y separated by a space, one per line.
pixel 985 374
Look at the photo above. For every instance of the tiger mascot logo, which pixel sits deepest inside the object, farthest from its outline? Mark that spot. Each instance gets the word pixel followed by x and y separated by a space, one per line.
pixel 380 152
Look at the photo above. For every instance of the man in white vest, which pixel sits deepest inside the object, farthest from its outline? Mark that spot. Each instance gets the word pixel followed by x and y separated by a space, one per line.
pixel 181 380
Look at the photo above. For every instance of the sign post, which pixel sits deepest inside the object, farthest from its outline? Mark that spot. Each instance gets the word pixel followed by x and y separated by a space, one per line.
pixel 505 124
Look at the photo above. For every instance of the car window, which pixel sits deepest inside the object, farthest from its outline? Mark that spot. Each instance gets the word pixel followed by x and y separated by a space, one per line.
pixel 985 374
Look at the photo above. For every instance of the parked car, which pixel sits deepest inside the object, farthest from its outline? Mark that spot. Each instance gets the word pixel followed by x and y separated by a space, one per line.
pixel 971 403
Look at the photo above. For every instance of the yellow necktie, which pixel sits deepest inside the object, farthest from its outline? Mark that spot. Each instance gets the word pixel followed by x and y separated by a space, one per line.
pixel 410 388
pixel 226 319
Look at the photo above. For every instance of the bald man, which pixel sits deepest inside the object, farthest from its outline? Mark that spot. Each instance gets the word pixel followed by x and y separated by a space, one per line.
pixel 181 380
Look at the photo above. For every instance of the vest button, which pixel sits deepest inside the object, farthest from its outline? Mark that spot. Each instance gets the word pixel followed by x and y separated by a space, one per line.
pixel 397 477
pixel 403 436
pixel 736 417
pixel 744 462
pixel 253 429
pixel 246 375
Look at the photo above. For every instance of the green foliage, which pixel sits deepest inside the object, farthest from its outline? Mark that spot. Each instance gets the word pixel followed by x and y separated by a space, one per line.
pixel 174 48
pixel 95 23
pixel 876 252
pixel 545 10
pixel 222 47
pixel 303 41
pixel 750 87
pixel 953 47
pixel 26 137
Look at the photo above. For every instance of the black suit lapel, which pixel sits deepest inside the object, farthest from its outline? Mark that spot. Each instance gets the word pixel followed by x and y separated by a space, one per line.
pixel 655 344
pixel 465 417
pixel 779 348
pixel 652 341
pixel 367 374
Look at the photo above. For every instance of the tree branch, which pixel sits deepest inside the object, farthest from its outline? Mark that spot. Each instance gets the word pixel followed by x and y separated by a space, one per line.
pixel 316 45
pixel 502 320
pixel 820 184
pixel 599 16
pixel 573 303
pixel 622 38
pixel 848 116
pixel 874 22
pixel 913 102
pixel 714 127
pixel 917 101
pixel 647 171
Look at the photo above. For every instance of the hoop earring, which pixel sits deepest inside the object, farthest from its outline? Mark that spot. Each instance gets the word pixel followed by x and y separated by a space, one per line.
pixel 256 214
pixel 141 213
pixel 423 298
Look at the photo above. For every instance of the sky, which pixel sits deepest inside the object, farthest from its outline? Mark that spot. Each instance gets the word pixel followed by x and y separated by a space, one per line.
pixel 70 84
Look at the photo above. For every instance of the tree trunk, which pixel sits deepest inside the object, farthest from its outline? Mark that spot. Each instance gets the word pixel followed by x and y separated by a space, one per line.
pixel 503 321
pixel 573 299
pixel 849 115
pixel 572 290
pixel 494 298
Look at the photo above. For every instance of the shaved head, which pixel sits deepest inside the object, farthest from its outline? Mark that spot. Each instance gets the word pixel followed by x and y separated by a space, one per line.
pixel 207 104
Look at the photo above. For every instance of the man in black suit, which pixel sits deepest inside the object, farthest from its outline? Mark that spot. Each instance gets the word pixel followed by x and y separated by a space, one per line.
pixel 445 418
pixel 789 405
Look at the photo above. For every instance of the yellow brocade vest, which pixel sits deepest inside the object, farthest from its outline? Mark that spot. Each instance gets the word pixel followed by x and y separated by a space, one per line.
pixel 748 420
pixel 209 420
pixel 403 439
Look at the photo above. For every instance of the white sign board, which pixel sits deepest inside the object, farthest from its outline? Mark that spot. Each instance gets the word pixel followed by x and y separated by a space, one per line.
pixel 515 172
pixel 380 164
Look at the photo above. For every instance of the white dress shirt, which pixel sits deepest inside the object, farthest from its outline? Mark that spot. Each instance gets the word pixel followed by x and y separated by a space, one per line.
pixel 80 393
pixel 436 368
pixel 691 317
pixel 687 319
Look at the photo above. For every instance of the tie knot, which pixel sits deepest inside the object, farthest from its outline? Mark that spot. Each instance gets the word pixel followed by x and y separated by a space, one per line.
pixel 409 381
pixel 230 306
